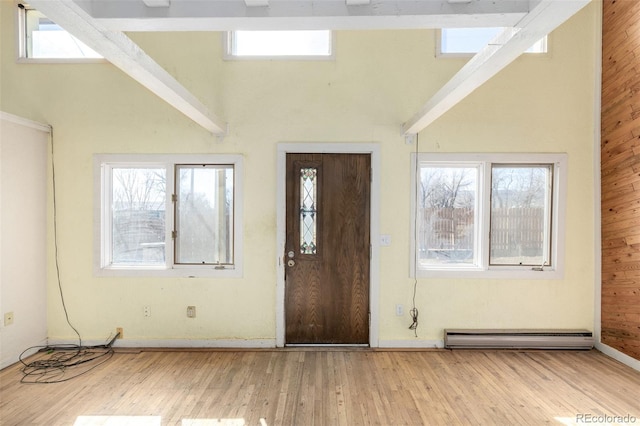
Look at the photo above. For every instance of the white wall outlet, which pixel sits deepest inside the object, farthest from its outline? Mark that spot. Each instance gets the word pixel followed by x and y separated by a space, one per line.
pixel 399 310
pixel 191 311
pixel 8 318
pixel 147 311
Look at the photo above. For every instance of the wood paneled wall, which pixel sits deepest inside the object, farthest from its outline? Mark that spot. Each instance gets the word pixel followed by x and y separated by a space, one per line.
pixel 620 161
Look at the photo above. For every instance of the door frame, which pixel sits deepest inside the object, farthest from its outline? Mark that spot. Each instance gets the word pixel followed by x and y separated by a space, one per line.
pixel 374 264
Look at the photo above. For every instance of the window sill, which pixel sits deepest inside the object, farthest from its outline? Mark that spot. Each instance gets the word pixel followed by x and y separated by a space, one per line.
pixel 266 58
pixel 511 274
pixel 61 61
pixel 177 272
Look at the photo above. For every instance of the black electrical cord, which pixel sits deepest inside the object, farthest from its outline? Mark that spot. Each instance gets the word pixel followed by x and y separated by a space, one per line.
pixel 414 311
pixel 65 361
pixel 55 239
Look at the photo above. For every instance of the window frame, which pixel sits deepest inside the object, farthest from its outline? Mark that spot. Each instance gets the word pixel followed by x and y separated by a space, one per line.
pixel 439 53
pixel 483 216
pixel 176 215
pixel 228 40
pixel 21 42
pixel 103 163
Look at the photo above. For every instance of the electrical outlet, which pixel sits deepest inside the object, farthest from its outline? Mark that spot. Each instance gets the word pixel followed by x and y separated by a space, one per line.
pixel 147 311
pixel 399 310
pixel 191 311
pixel 8 318
pixel 120 332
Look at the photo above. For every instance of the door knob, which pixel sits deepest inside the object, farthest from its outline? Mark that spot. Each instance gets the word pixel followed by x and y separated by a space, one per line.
pixel 291 262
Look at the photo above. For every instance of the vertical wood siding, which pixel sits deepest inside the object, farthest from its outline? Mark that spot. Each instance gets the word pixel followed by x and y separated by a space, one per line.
pixel 620 152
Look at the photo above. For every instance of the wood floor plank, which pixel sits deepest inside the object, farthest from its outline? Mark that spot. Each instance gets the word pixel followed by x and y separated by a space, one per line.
pixel 333 387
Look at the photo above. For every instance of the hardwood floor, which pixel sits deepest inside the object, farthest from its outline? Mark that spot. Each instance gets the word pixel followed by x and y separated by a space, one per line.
pixel 332 387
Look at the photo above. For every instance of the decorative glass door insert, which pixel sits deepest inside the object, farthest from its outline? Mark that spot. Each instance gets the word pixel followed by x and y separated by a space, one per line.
pixel 308 210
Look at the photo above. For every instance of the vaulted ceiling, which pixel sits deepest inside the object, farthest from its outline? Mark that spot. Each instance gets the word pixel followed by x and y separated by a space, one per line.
pixel 101 24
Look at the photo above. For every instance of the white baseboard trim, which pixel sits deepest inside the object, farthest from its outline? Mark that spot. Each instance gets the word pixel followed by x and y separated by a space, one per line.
pixel 14 357
pixel 177 343
pixel 415 344
pixel 618 356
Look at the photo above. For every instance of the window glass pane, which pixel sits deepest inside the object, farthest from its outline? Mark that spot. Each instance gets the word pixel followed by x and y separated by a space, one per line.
pixel 138 216
pixel 473 40
pixel 466 40
pixel 308 210
pixel 204 214
pixel 281 43
pixel 447 200
pixel 520 215
pixel 45 39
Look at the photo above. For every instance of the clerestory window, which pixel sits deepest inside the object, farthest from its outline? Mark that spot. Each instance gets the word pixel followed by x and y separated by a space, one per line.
pixel 290 44
pixel 469 41
pixel 42 40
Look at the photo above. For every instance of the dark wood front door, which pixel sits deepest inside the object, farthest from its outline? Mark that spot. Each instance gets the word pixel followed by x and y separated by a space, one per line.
pixel 327 249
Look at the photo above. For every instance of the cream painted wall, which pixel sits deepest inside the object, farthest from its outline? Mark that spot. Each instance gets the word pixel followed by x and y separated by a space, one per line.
pixel 378 80
pixel 23 226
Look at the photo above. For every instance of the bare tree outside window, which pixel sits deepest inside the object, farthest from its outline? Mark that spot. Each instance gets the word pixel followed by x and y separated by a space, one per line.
pixel 447 205
pixel 138 215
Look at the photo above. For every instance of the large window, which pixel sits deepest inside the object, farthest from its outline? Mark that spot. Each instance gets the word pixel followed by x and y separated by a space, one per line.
pixel 469 41
pixel 169 215
pixel 489 214
pixel 315 44
pixel 43 40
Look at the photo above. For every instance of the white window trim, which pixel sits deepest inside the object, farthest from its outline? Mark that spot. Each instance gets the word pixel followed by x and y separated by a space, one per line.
pixel 560 175
pixel 101 240
pixel 227 40
pixel 440 54
pixel 21 47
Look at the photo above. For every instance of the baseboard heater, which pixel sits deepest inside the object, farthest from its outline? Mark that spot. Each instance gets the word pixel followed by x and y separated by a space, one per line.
pixel 518 339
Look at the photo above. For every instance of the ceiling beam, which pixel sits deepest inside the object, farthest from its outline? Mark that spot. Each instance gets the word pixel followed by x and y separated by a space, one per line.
pixel 256 3
pixel 157 3
pixel 228 15
pixel 125 54
pixel 544 17
pixel 358 2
